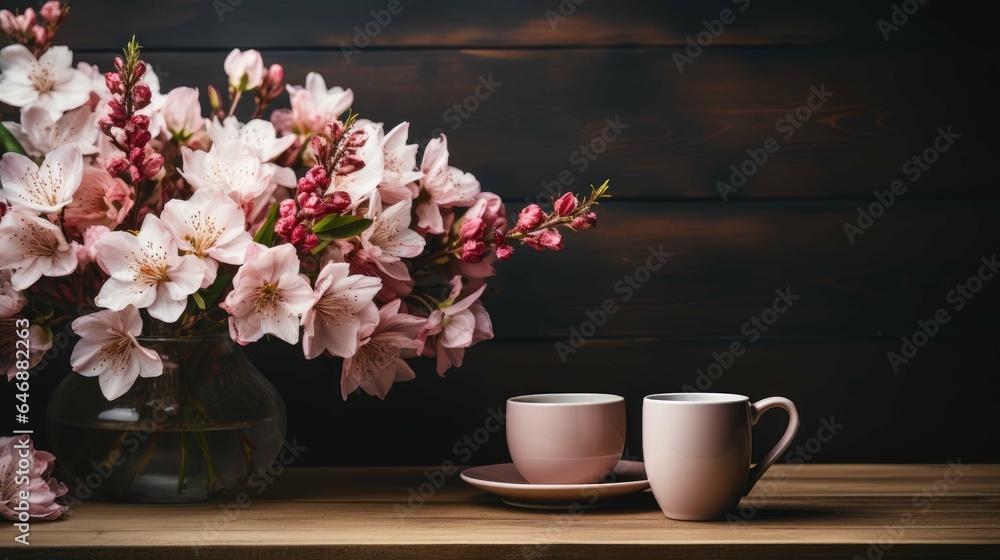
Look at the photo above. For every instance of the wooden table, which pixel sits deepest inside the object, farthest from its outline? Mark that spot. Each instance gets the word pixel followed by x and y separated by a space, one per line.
pixel 803 511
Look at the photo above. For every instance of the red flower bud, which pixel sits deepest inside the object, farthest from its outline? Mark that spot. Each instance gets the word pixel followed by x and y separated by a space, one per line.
pixel 141 95
pixel 588 221
pixel 139 70
pixel 152 165
pixel 119 63
pixel 116 166
pixel 565 204
pixel 530 218
pixel 140 121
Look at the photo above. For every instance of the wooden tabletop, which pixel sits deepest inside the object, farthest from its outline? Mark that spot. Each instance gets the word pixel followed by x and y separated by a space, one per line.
pixel 800 511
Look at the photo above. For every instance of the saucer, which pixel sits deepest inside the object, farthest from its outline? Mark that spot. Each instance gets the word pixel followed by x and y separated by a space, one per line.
pixel 504 481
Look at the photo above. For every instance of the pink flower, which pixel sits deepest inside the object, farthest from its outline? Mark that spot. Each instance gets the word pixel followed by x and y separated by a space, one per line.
pixel 37 483
pixel 549 238
pixel 39 134
pixel 109 350
pixel 86 253
pixel 453 327
pixel 39 342
pixel 50 80
pixel 566 204
pixel 400 175
pixel 268 295
pixel 447 186
pixel 211 227
pixel 314 106
pixel 588 221
pixel 147 271
pixel 503 250
pixel 101 200
pixel 182 113
pixel 530 218
pixel 51 10
pixel 389 239
pixel 343 306
pixel 33 247
pixel 245 69
pixel 11 300
pixel 44 189
pixel 380 359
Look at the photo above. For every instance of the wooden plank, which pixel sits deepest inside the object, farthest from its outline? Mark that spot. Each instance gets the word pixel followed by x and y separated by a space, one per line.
pixel 729 260
pixel 223 24
pixel 682 131
pixel 815 511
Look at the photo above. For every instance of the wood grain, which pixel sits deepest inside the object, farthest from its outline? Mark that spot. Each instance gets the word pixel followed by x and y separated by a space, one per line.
pixel 223 24
pixel 814 511
pixel 683 130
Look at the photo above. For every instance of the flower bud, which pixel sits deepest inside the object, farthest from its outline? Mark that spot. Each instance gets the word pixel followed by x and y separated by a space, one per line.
pixel 565 205
pixel 213 99
pixel 116 166
pixel 152 165
pixel 140 121
pixel 52 11
pixel 141 95
pixel 530 218
pixel 119 63
pixel 114 82
pixel 589 221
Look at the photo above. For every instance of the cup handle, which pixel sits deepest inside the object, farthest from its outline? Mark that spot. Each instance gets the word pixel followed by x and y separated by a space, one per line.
pixel 757 409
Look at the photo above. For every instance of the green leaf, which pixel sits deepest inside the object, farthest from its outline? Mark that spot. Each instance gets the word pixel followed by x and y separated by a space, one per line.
pixel 319 248
pixel 8 143
pixel 340 227
pixel 198 301
pixel 211 293
pixel 265 235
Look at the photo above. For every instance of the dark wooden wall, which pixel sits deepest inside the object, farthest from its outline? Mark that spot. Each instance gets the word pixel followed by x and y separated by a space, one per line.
pixel 782 229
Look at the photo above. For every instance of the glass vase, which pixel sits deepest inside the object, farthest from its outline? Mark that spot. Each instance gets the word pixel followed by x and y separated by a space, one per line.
pixel 197 432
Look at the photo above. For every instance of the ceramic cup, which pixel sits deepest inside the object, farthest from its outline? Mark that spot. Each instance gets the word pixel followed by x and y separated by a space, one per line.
pixel 565 438
pixel 696 447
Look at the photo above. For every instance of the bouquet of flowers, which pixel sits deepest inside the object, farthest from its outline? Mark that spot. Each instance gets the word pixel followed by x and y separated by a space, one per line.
pixel 128 212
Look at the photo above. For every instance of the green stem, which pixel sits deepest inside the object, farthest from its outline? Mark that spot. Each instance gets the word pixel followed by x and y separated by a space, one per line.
pixel 144 460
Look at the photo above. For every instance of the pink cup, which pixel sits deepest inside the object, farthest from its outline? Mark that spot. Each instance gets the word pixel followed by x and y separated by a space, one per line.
pixel 565 438
pixel 696 447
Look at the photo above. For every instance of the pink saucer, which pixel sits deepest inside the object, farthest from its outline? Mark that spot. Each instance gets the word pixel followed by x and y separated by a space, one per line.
pixel 504 481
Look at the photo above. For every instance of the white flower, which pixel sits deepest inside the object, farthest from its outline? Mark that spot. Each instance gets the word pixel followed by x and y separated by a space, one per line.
pixel 182 113
pixel 146 271
pixel 260 136
pixel 50 81
pixel 39 133
pixel 245 69
pixel 11 299
pixel 400 166
pixel 268 295
pixel 362 183
pixel 46 189
pixel 447 186
pixel 233 167
pixel 389 240
pixel 109 350
pixel 343 304
pixel 210 226
pixel 33 247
